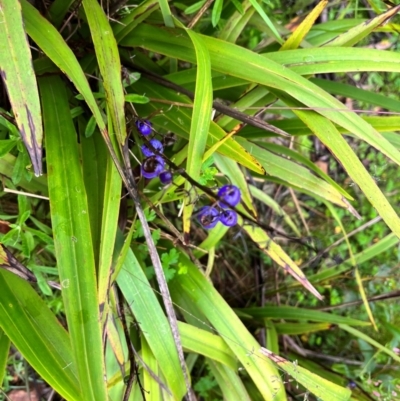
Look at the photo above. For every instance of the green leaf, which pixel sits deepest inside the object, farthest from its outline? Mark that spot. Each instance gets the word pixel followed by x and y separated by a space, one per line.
pixel 194 7
pixel 205 343
pixel 369 340
pixel 134 98
pixel 90 127
pixel 216 12
pixel 295 39
pixel 6 145
pixel 4 350
pixel 19 79
pixel 324 389
pixel 72 238
pixel 295 175
pixel 47 348
pixel 234 60
pixel 201 118
pixel 298 314
pixel 53 45
pixel 194 288
pixel 229 382
pixel 107 55
pixel 359 32
pixel 109 223
pixel 267 21
pixel 330 136
pixel 153 323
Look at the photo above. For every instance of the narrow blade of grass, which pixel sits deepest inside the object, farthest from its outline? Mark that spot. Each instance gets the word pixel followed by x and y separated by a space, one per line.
pixel 200 124
pixel 276 253
pixel 109 64
pixel 295 39
pixel 47 348
pixel 369 340
pixel 364 298
pixel 229 382
pixel 153 323
pixel 72 238
pixel 294 313
pixel 4 350
pixel 195 288
pixel 324 389
pixel 359 32
pixel 18 76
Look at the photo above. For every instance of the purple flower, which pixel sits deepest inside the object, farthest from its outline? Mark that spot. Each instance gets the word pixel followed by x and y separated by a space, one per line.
pixel 165 177
pixel 229 217
pixel 155 144
pixel 152 166
pixel 229 196
pixel 144 127
pixel 208 217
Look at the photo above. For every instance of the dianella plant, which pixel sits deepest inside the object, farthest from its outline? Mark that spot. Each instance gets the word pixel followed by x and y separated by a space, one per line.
pixel 137 139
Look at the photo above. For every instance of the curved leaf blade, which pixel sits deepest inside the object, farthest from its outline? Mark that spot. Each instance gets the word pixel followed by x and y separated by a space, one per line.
pixel 200 124
pixel 19 79
pixel 48 347
pixel 322 388
pixel 109 63
pixel 72 238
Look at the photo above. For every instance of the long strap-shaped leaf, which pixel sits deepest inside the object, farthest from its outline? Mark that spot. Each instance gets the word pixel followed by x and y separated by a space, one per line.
pixel 37 334
pixel 147 311
pixel 200 123
pixel 19 79
pixel 324 389
pixel 242 63
pixel 72 238
pixel 109 64
pixel 193 287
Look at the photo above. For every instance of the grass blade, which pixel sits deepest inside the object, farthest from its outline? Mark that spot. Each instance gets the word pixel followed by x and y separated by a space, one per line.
pixel 295 39
pixel 48 347
pixel 195 289
pixel 4 350
pixel 330 136
pixel 276 253
pixel 322 388
pixel 54 46
pixel 359 32
pixel 236 61
pixel 200 124
pixel 229 381
pixel 205 343
pixel 267 20
pixel 369 340
pixel 19 79
pixel 72 238
pixel 153 323
pixel 109 64
pixel 294 313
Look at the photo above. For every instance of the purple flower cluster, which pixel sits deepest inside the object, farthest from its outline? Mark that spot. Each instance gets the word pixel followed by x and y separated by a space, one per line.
pixel 228 196
pixel 153 165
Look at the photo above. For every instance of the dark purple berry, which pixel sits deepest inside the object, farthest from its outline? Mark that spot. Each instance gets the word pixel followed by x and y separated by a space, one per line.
pixel 144 127
pixel 228 217
pixel 152 166
pixel 208 217
pixel 155 145
pixel 165 177
pixel 229 196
